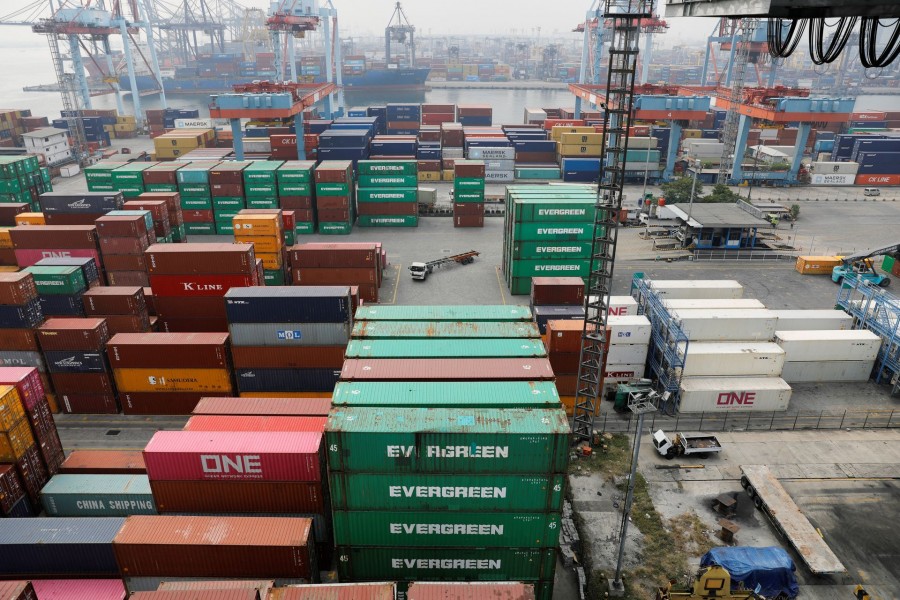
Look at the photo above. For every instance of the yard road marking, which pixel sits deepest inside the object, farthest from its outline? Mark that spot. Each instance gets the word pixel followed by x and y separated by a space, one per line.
pixel 396 284
pixel 500 284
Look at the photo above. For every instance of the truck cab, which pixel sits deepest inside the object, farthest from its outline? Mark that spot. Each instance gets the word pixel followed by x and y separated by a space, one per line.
pixel 419 270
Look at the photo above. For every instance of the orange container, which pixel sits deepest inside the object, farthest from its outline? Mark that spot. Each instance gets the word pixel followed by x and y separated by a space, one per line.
pixel 817 265
pixel 11 409
pixel 564 336
pixel 262 244
pixel 173 380
pixel 30 218
pixel 257 225
pixel 568 403
pixel 271 260
pixel 15 441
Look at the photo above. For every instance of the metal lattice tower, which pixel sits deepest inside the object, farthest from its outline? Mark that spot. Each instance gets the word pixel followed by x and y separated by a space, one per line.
pixel 735 96
pixel 625 17
pixel 70 101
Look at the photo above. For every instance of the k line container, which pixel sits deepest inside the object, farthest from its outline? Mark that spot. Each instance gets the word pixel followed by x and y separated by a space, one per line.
pixel 447 529
pixel 727 325
pixel 695 289
pixel 289 334
pixel 447 369
pixel 488 348
pixel 98 496
pixel 235 456
pixel 441 440
pixel 437 330
pixel 807 346
pixel 795 320
pixel 724 394
pixel 713 303
pixel 488 394
pixel 843 371
pixel 227 547
pixel 443 313
pixel 264 406
pixel 731 359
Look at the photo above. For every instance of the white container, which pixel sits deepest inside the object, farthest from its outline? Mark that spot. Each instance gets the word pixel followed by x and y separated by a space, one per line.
pixel 725 325
pixel 725 394
pixel 844 371
pixel 69 171
pixel 726 359
pixel 499 164
pixel 847 344
pixel 256 145
pixel 492 154
pixel 695 289
pixel 799 320
pixel 834 168
pixel 535 115
pixel 627 354
pixel 620 306
pixel 630 329
pixel 833 179
pixel 642 143
pixel 623 373
pixel 729 303
pixel 451 152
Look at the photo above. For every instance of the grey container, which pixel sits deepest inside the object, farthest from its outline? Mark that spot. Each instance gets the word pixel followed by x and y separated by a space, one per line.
pixel 16 358
pixel 289 334
pixel 58 547
pixel 69 495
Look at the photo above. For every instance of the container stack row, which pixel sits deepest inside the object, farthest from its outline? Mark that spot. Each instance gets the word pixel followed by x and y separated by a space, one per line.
pixel 124 308
pixel 165 214
pixel 266 233
pixel 468 193
pixel 335 193
pixel 387 194
pixel 124 236
pixel 296 191
pixel 359 264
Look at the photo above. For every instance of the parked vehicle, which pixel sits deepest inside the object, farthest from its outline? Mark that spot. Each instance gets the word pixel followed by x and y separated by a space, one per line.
pixel 685 445
pixel 420 270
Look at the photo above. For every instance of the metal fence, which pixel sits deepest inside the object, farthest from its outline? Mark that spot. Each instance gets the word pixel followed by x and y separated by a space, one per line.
pixel 767 255
pixel 753 421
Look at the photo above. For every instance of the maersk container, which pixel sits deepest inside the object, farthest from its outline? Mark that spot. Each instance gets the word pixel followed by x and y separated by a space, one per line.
pixel 98 496
pixel 726 359
pixel 798 320
pixel 446 564
pixel 843 371
pixel 695 289
pixel 437 330
pixel 58 547
pixel 629 329
pixel 495 492
pixel 446 529
pixel 444 394
pixel 439 440
pixel 493 313
pixel 827 345
pixel 721 325
pixel 289 334
pixel 288 304
pixel 707 303
pixel 626 354
pixel 286 380
pixel 487 348
pixel 725 394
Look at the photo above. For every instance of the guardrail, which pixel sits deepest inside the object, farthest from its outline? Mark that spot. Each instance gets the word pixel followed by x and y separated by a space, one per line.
pixel 745 255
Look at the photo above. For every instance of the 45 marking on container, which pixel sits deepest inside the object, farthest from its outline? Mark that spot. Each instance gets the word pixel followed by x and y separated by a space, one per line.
pixel 289 334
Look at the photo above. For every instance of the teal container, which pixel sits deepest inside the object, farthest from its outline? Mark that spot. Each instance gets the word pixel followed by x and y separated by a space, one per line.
pixel 483 348
pixel 434 394
pixel 442 440
pixel 179 234
pixel 412 330
pixel 98 496
pixel 261 173
pixel 274 277
pixel 388 221
pixel 295 171
pixel 304 228
pixel 196 172
pixel 462 312
pixel 146 214
pixel 196 202
pixel 385 194
pixel 200 228
pixel 332 189
pixel 290 237
pixel 335 228
pixel 556 232
pixel 445 529
pixel 387 167
pixel 447 492
pixel 377 181
pixel 543 173
pixel 551 250
pixel 58 281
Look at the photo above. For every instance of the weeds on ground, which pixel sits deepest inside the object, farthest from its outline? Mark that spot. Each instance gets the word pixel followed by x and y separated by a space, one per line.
pixel 612 458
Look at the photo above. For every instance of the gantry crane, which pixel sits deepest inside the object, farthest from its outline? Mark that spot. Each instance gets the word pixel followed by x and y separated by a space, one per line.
pixel 288 20
pixel 401 31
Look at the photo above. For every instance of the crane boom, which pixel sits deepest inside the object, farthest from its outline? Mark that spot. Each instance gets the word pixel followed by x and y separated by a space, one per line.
pixel 892 249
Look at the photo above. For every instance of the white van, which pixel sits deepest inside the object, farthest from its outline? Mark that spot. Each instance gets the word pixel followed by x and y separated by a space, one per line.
pixel 871 192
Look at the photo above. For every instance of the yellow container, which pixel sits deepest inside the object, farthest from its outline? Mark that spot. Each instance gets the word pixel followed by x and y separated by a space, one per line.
pixel 262 244
pixel 817 265
pixel 124 120
pixel 581 138
pixel 284 395
pixel 8 269
pixel 429 175
pixel 172 380
pixel 447 175
pixel 5 240
pixel 11 409
pixel 54 405
pixel 576 150
pixel 568 403
pixel 15 441
pixel 109 128
pixel 271 261
pixel 30 218
pixel 557 131
pixel 256 226
pixel 124 127
pixel 692 133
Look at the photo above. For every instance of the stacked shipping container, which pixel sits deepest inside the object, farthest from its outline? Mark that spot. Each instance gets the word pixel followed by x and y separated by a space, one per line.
pixel 335 191
pixel 124 236
pixel 296 191
pixel 468 193
pixel 387 195
pixel 354 264
pixel 123 308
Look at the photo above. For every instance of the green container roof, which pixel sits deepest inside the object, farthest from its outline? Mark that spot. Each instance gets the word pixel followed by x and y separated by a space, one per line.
pixel 97 484
pixel 433 394
pixel 264 165
pixel 42 270
pixel 446 420
pixel 201 165
pixel 444 313
pixel 444 329
pixel 460 348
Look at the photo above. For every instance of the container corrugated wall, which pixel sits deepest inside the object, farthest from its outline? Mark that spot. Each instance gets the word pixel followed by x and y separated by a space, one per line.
pixel 62 547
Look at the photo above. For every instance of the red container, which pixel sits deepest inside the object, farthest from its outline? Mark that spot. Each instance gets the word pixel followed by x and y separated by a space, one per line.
pixel 8 257
pixel 160 403
pixel 333 215
pixel 9 211
pixel 468 209
pixel 73 334
pixel 159 210
pixel 227 173
pixel 389 208
pixel 331 203
pixel 429 165
pixel 172 200
pixel 446 369
pixel 288 357
pixel 27 382
pixel 127 278
pixel 346 591
pixel 883 179
pixel 234 456
pixel 115 300
pixel 549 291
pixel 209 325
pixel 468 168
pixel 17 288
pixel 198 216
pixel 234 190
pixel 302 215
pixel 297 202
pixel 437 118
pixel 199 594
pixel 549 124
pixel 228 547
pixel 564 363
pixel 27 258
pixel 104 462
pixel 38 237
pixel 209 259
pixel 11 490
pixel 334 171
pixel 468 221
pixel 230 497
pixel 128 323
pixel 17 590
pixel 262 423
pixel 470 590
pixel 88 403
pixel 84 383
pixel 168 350
pixel 335 276
pixel 264 406
pixel 19 339
pixel 51 449
pixel 334 255
pixel 197 285
pixel 125 245
pixel 203 307
pixel 121 226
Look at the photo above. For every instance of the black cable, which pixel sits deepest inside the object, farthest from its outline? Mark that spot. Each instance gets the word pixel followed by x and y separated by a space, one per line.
pixel 843 29
pixel 782 45
pixel 868 43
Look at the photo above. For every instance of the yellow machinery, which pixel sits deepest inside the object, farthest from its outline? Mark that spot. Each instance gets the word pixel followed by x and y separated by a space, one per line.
pixel 711 583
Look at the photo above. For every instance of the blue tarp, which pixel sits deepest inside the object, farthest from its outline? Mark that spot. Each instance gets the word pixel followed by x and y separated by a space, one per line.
pixel 771 568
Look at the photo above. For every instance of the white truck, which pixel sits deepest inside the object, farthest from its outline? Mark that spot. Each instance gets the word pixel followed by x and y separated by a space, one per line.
pixel 685 445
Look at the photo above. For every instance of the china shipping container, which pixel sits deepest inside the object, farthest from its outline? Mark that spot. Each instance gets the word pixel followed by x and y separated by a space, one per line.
pixel 104 462
pixel 430 394
pixel 98 496
pixel 61 547
pixel 452 369
pixel 444 313
pixel 437 330
pixel 264 406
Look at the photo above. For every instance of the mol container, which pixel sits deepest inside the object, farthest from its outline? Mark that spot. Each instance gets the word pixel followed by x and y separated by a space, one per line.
pixel 629 329
pixel 695 289
pixel 98 496
pixel 707 303
pixel 458 394
pixel 725 359
pixel 727 325
pixel 439 440
pixel 58 547
pixel 722 394
pixel 808 320
pixel 844 371
pixel 808 346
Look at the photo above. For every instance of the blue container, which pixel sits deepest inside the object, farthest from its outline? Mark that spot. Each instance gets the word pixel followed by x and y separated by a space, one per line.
pixel 75 362
pixel 318 126
pixel 488 143
pixel 59 547
pixel 21 510
pixel 535 146
pixel 357 112
pixel 402 131
pixel 26 316
pixel 581 165
pixel 879 163
pixel 476 121
pixel 325 304
pixel 542 314
pixel 364 127
pixel 62 306
pixel 393 148
pixel 428 154
pixel 88 265
pixel 879 146
pixel 580 176
pixel 348 138
pixel 399 112
pixel 709 134
pixel 287 380
pixel 353 154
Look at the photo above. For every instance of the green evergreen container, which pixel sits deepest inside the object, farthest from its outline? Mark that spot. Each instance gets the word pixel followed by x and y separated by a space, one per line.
pixel 228 202
pixel 385 194
pixel 289 237
pixel 375 181
pixel 10 186
pixel 179 234
pixel 411 330
pixel 387 167
pixel 556 268
pixel 446 529
pixel 304 228
pixel 434 394
pixel 195 172
pixel 295 171
pixel 467 196
pixel 468 183
pixel 441 440
pixel 388 221
pixel 537 210
pixel 446 491
pixel 332 189
pixel 295 188
pixel 200 228
pixel 261 173
pixel 98 496
pixel 335 228
pixel 195 189
pixel 224 228
pixel 161 187
pixel 550 250
pixel 273 277
pixel 58 281
pixel 477 348
pixel 556 232
pixel 196 202
pixel 131 174
pixel 252 190
pixel 262 202
pixel 225 214
pixel 451 312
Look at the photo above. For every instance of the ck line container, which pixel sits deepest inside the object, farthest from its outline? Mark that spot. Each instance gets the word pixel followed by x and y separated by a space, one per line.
pixel 443 313
pixel 488 348
pixel 465 394
pixel 438 329
pixel 98 496
pixel 729 359
pixel 725 394
pixel 421 440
